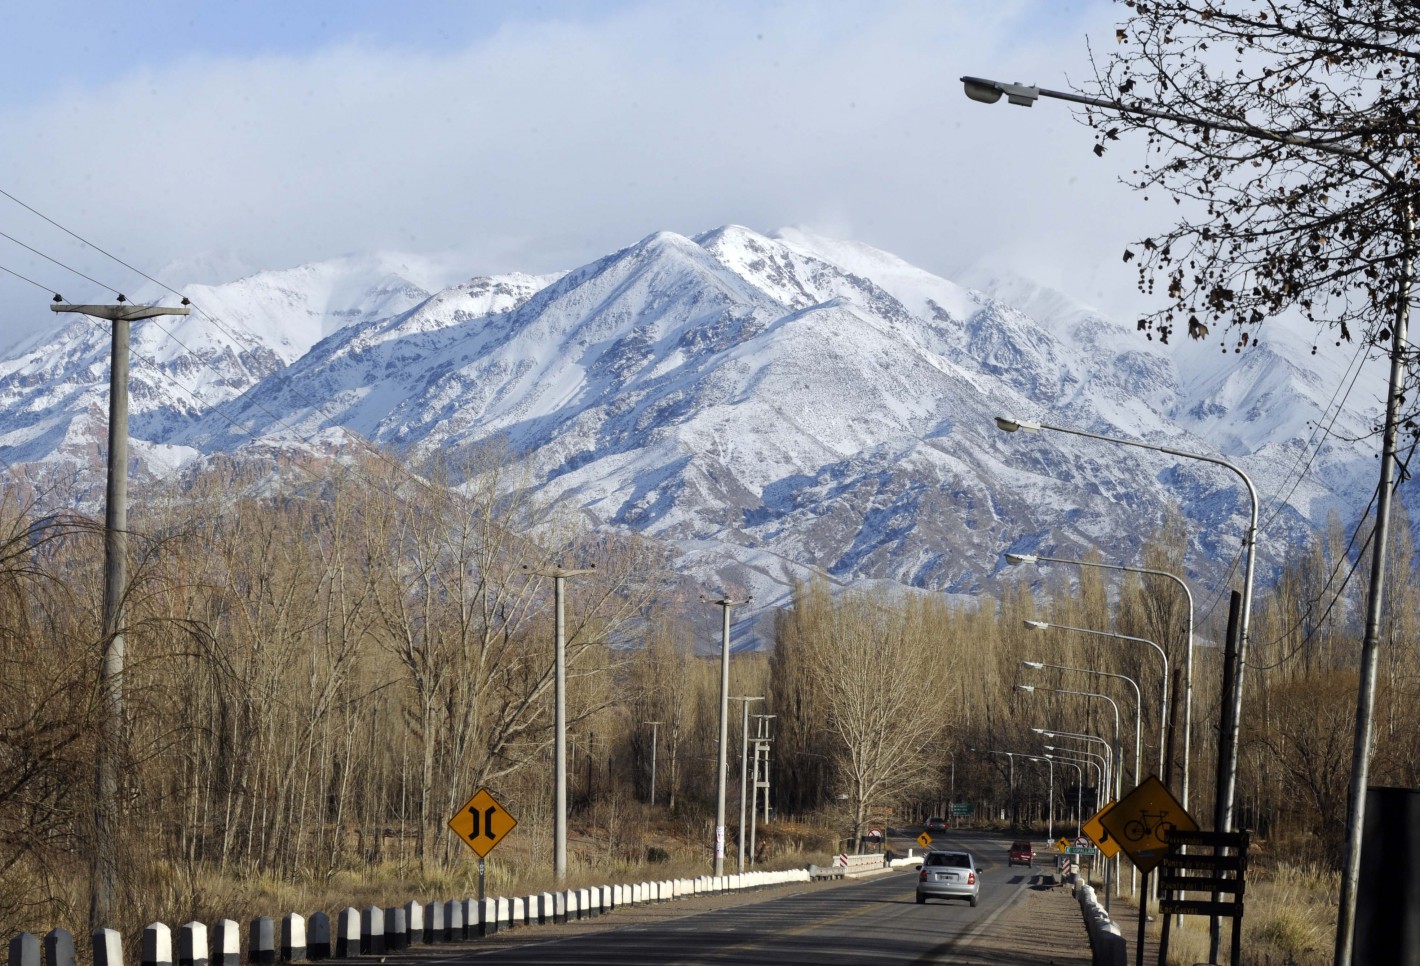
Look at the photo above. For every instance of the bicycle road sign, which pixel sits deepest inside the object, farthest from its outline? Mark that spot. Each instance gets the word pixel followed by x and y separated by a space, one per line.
pixel 482 823
pixel 1108 847
pixel 1141 818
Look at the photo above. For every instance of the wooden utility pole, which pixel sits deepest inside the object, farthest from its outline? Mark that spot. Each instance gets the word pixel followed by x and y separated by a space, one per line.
pixel 103 885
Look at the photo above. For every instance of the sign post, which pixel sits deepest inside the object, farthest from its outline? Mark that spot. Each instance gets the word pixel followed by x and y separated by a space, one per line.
pixel 482 823
pixel 1140 823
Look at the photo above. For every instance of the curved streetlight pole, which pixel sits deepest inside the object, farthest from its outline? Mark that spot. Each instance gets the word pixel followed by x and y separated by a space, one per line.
pixel 1228 743
pixel 1025 558
pixel 1078 765
pixel 1013 755
pixel 1164 690
pixel 1107 779
pixel 1138 701
pixel 988 92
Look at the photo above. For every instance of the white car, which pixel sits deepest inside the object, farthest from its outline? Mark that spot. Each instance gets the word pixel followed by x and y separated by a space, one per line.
pixel 948 875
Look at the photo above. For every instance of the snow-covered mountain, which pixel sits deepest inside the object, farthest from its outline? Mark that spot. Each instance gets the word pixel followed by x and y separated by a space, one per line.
pixel 771 405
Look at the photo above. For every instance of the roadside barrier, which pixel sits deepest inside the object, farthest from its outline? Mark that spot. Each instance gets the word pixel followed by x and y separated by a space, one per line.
pixel 1107 946
pixel 376 931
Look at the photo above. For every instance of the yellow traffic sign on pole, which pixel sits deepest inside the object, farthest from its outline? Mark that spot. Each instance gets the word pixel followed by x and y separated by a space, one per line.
pixel 1062 843
pixel 1095 830
pixel 924 840
pixel 482 823
pixel 1141 819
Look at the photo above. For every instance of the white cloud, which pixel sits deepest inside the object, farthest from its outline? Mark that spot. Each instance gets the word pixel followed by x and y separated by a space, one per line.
pixel 548 143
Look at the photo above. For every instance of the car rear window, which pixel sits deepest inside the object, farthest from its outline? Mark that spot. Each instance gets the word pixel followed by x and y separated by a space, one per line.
pixel 1020 847
pixel 953 859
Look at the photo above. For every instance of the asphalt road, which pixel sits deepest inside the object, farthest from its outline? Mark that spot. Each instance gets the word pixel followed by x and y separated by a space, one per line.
pixel 870 921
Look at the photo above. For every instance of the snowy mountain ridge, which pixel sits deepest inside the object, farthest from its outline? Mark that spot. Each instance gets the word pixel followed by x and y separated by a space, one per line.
pixel 770 404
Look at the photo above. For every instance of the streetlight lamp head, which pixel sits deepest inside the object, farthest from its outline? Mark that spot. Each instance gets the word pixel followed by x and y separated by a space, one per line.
pixel 1028 688
pixel 1037 625
pixel 989 91
pixel 1021 558
pixel 1010 424
pixel 1033 665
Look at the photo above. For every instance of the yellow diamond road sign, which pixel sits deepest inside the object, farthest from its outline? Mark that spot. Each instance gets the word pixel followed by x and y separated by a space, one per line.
pixel 924 840
pixel 1141 819
pixel 1093 828
pixel 482 823
pixel 1061 844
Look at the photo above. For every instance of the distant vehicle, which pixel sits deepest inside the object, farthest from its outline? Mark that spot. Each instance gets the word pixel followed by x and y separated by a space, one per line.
pixel 948 875
pixel 935 824
pixel 1022 853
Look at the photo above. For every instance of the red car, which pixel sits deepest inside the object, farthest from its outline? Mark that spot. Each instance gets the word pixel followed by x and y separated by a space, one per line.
pixel 1022 852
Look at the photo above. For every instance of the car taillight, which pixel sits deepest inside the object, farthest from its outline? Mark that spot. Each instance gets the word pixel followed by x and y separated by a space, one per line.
pixel 922 876
pixel 971 878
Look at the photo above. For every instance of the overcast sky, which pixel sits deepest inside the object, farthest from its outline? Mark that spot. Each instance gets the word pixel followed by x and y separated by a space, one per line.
pixel 536 136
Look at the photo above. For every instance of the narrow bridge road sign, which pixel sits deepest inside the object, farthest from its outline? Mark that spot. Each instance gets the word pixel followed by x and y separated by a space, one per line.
pixel 482 823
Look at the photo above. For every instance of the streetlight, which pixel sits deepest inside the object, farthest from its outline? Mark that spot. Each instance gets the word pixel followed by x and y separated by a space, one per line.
pixel 559 577
pixel 724 603
pixel 989 91
pixel 1026 558
pixel 1118 748
pixel 1078 765
pixel 1050 813
pixel 1011 788
pixel 1228 743
pixel 1164 696
pixel 1107 776
pixel 1138 700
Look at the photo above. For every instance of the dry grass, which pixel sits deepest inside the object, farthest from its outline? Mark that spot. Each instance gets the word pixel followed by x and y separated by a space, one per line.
pixel 1290 921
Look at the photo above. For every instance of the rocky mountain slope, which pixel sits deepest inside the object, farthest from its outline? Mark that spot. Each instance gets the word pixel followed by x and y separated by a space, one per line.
pixel 771 405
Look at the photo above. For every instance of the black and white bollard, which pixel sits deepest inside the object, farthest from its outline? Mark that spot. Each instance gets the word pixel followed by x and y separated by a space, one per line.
pixel 293 937
pixel 318 936
pixel 372 931
pixel 108 948
pixel 414 921
pixel 434 922
pixel 454 929
pixel 59 948
pixel 347 933
pixel 261 942
pixel 192 944
pixel 396 932
pixel 24 950
pixel 157 946
pixel 227 943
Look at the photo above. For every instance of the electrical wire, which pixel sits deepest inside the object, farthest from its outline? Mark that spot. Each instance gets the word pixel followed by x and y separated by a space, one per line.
pixel 282 374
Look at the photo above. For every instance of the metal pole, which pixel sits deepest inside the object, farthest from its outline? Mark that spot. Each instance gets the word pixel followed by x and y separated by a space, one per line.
pixel 107 833
pixel 559 754
pixel 103 886
pixel 559 715
pixel 1370 645
pixel 744 770
pixel 654 744
pixel 754 803
pixel 722 759
pixel 1228 742
pixel 1019 558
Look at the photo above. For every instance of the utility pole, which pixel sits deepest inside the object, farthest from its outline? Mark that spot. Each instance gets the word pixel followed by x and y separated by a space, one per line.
pixel 654 725
pixel 103 886
pixel 559 577
pixel 744 770
pixel 724 603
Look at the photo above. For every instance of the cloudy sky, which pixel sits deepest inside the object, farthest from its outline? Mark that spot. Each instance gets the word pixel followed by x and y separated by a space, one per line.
pixel 539 135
